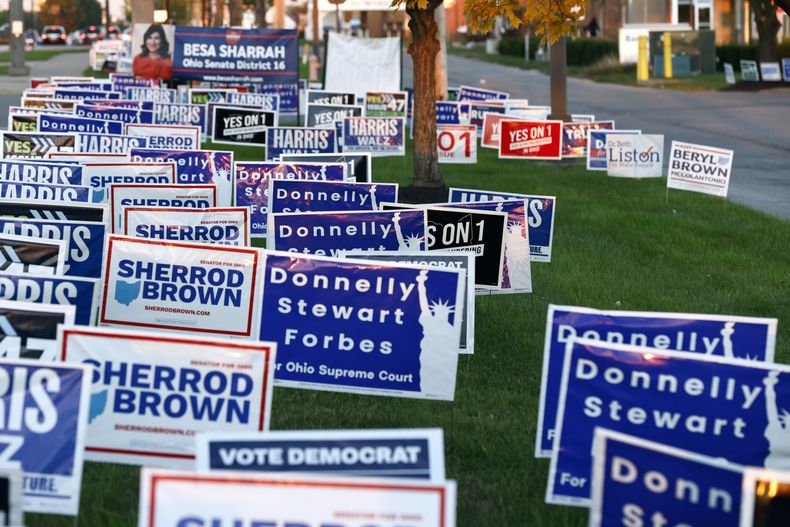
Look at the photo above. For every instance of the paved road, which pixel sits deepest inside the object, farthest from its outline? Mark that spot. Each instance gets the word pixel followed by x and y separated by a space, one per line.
pixel 755 125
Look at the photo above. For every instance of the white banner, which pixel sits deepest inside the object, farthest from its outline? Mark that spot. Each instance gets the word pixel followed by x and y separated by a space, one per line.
pixel 360 65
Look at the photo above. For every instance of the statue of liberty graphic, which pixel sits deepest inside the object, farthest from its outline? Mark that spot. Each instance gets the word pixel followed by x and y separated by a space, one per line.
pixel 438 347
pixel 518 274
pixel 726 339
pixel 778 430
pixel 373 204
pixel 413 242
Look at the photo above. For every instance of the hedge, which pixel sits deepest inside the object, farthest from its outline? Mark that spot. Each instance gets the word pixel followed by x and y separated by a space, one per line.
pixel 734 53
pixel 582 52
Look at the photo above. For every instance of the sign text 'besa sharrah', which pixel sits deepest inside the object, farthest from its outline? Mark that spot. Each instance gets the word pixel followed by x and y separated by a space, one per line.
pixel 363 327
pixel 719 335
pixel 223 226
pixel 209 289
pixel 317 196
pixel 723 408
pixel 152 392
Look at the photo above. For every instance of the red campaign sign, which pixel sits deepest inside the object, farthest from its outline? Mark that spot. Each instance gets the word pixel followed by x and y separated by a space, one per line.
pixel 531 140
pixel 492 127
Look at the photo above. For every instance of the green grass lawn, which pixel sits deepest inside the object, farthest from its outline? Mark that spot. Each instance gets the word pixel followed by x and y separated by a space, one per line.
pixel 618 244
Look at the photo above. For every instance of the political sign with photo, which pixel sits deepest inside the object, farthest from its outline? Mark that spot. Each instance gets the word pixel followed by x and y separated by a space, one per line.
pixel 35 144
pixel 29 330
pixel 326 115
pixel 530 140
pixel 330 97
pixel 152 49
pixel 157 195
pixel 54 210
pixel 381 136
pixel 700 168
pixel 360 165
pixel 234 125
pixel 456 143
pixel 636 480
pixel 635 155
pixel 108 143
pixel 574 136
pixel 719 335
pixel 100 176
pixel 386 104
pixel 723 408
pixel 319 196
pixel 252 184
pixel 145 381
pixel 107 113
pixel 170 137
pixel 59 123
pixel 59 290
pixel 243 499
pixel 765 497
pixel 398 453
pixel 176 286
pixel 14 190
pixel 31 255
pixel 369 327
pixel 470 93
pixel 294 140
pixel 40 172
pixel 223 226
pixel 46 433
pixel 596 147
pixel 327 233
pixel 180 115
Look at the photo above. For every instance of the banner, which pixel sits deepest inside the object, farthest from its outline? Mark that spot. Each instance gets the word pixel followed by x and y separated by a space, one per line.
pixel 224 226
pixel 359 65
pixel 635 155
pixel 53 210
pixel 335 196
pixel 236 55
pixel 386 104
pixel 531 140
pixel 469 93
pixel 58 123
pixel 83 241
pixel 181 287
pixel 191 115
pixel 252 184
pixel 326 233
pixel 719 335
pixel 109 143
pixel 380 136
pixel 456 144
pixel 636 480
pixel 183 498
pixel 25 254
pixel 40 172
pixel 14 190
pixel 397 453
pixel 371 328
pixel 30 144
pixel 234 126
pixel 723 408
pixel 326 115
pixel 360 165
pixel 152 392
pixel 168 137
pixel 100 176
pixel 30 331
pixel 157 195
pixel 292 140
pixel 124 115
pixel 700 168
pixel 596 147
pixel 764 500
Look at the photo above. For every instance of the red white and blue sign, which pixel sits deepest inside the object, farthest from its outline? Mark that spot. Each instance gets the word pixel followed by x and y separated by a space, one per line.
pixel 319 196
pixel 381 136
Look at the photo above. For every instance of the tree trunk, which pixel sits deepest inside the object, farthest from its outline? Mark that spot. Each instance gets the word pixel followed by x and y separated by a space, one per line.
pixel 260 13
pixel 236 12
pixel 423 50
pixel 767 27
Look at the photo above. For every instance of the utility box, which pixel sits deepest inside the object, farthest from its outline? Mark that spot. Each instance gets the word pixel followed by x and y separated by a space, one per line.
pixel 693 52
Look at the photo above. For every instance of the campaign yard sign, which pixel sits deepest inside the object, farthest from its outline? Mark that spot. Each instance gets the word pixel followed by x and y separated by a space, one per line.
pixel 786 69
pixel 109 143
pixel 450 113
pixel 718 335
pixel 636 481
pixel 729 73
pixel 147 94
pixel 398 453
pixel 749 71
pixel 58 123
pixel 46 433
pixel 769 71
pixel 330 97
pixel 202 499
pixel 700 168
pixel 381 136
pixel 43 191
pixel 40 172
pixel 59 290
pixel 205 95
pixel 764 498
pixel 386 104
pixel 478 111
pixel 101 175
pixel 87 157
pixel 492 128
pixel 264 101
pixel 32 255
pixel 363 327
pixel 252 184
pixel 30 331
pixel 327 233
pixel 222 226
pixel 168 137
pixel 234 125
pixel 78 94
pixel 596 147
pixel 180 115
pixel 360 165
pixel 326 115
pixel 635 155
pixel 35 144
pixel 108 113
pixel 152 392
pixel 209 289
pixel 293 140
pixel 318 196
pixel 157 195
pixel 470 93
pixel 574 136
pixel 53 210
pixel 530 140
pixel 723 408
pixel 456 143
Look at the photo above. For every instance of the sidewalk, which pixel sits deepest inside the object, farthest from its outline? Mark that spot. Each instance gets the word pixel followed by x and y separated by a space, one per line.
pixel 71 63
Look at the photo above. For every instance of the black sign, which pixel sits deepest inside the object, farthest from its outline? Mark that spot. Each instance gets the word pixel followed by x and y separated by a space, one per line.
pixel 234 125
pixel 35 144
pixel 23 122
pixel 11 514
pixel 22 254
pixel 330 97
pixel 52 210
pixel 30 331
pixel 326 115
pixel 359 165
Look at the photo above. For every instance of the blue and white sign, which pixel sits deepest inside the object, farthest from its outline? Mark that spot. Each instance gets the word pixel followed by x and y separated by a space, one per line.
pixel 293 140
pixel 222 226
pixel 287 93
pixel 168 137
pixel 327 233
pixel 638 482
pixel 252 184
pixel 43 191
pixel 448 112
pixel 47 289
pixel 263 101
pixel 73 94
pixel 318 196
pixel 596 147
pixel 44 435
pixel 724 408
pixel 40 172
pixel 470 93
pixel 786 69
pixel 713 335
pixel 371 327
pixel 540 216
pixel 181 115
pixel 160 95
pixel 53 210
pixel 397 453
pixel 478 111
pixel 101 175
pixel 119 103
pixel 67 123
pixel 764 497
pixel 109 143
pixel 157 195
pixel 381 136
pixel 124 115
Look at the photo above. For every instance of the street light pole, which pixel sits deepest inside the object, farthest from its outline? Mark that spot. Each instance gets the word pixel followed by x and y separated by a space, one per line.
pixel 17 40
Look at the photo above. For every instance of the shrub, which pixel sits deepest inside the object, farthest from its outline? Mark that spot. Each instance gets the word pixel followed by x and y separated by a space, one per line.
pixel 588 51
pixel 734 53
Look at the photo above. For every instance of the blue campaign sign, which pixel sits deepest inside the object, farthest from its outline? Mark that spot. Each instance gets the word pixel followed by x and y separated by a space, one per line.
pixel 47 191
pixel 725 408
pixel 124 115
pixel 448 113
pixel 378 135
pixel 46 289
pixel 596 147
pixel 377 328
pixel 317 196
pixel 540 216
pixel 120 103
pixel 43 172
pixel 327 233
pixel 159 95
pixel 288 94
pixel 477 112
pixel 468 93
pixel 84 241
pixel 109 143
pixel 45 432
pixel 69 123
pixel 719 335
pixel 786 69
pixel 639 482
pixel 401 453
pixel 82 94
pixel 181 115
pixel 236 55
pixel 294 140
pixel 252 185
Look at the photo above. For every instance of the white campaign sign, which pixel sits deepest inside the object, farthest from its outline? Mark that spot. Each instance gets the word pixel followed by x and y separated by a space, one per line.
pixel 167 137
pixel 147 195
pixel 223 226
pixel 634 155
pixel 152 392
pixel 99 176
pixel 700 168
pixel 457 143
pixel 187 499
pixel 208 289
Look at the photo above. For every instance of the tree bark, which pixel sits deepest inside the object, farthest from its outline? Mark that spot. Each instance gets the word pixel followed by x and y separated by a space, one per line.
pixel 260 13
pixel 767 26
pixel 236 12
pixel 423 50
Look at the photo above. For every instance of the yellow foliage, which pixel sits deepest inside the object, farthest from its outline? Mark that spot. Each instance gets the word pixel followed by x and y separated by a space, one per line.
pixel 550 19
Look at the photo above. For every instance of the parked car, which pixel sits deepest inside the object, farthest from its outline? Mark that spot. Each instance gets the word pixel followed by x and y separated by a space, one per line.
pixel 112 33
pixel 53 35
pixel 92 34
